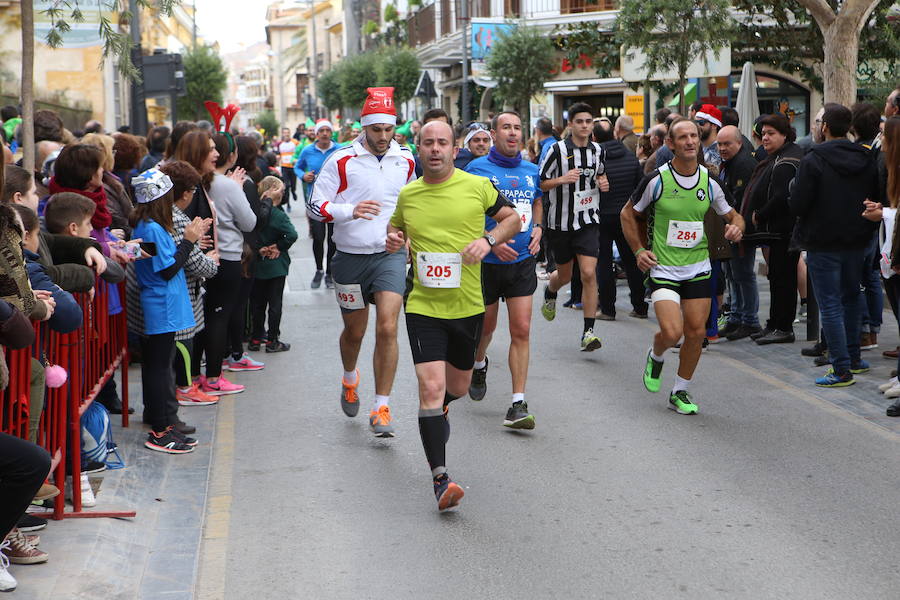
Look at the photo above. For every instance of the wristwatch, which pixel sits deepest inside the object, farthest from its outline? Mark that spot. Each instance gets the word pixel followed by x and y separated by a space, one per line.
pixel 490 239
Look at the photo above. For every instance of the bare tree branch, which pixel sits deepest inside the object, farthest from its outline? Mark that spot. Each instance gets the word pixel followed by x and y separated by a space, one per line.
pixel 820 11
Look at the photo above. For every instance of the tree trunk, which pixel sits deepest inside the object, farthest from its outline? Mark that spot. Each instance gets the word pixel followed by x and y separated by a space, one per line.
pixel 682 81
pixel 27 94
pixel 841 59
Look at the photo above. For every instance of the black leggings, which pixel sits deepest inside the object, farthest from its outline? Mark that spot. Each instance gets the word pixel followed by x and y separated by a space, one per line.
pixel 222 294
pixel 290 184
pixel 158 380
pixel 182 366
pixel 267 292
pixel 23 468
pixel 317 232
pixel 237 326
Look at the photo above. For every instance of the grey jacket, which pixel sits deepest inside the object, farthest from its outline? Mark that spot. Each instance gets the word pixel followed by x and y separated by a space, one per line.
pixel 233 216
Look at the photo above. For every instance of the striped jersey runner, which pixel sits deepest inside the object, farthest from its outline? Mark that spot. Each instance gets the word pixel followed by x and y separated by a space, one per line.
pixel 566 202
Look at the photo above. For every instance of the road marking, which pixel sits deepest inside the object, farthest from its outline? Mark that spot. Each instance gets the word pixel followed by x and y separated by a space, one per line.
pixel 214 546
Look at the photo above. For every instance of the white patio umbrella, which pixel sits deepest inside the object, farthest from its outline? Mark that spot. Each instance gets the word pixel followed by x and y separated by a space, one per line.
pixel 747 102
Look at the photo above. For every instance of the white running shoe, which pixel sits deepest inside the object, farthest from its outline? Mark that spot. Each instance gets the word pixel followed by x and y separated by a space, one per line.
pixel 87 494
pixel 7 582
pixel 891 383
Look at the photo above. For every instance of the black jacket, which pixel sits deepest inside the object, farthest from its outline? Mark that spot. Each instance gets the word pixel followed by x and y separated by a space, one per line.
pixel 623 169
pixel 735 174
pixel 463 158
pixel 832 183
pixel 767 196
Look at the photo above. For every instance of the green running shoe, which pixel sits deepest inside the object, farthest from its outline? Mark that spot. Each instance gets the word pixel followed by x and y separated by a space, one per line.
pixel 590 342
pixel 548 308
pixel 652 373
pixel 682 403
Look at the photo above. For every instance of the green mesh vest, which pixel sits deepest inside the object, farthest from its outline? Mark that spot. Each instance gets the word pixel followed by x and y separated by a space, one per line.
pixel 675 227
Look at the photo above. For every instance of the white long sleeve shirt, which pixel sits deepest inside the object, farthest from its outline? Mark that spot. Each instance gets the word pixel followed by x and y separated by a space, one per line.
pixel 351 175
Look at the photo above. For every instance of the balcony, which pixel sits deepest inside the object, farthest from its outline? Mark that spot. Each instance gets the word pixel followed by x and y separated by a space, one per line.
pixel 542 9
pixel 420 26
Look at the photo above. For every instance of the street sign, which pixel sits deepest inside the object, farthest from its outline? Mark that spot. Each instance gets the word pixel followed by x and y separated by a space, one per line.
pixel 163 74
pixel 634 108
pixel 634 59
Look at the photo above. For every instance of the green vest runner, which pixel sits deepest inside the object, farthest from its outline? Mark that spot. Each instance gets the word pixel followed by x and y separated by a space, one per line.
pixel 675 227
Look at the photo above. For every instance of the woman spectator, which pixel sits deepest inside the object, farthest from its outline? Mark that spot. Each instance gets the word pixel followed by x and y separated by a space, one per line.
pixel 769 222
pixel 117 199
pixel 197 149
pixel 890 147
pixel 126 158
pixel 179 131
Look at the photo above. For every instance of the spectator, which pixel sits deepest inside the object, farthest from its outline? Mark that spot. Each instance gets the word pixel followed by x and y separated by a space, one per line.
pixel 624 132
pixel 657 141
pixel 546 137
pixel 93 126
pixel 9 116
pixel 890 148
pixel 832 190
pixel 663 153
pixel 48 126
pixel 769 221
pixel 117 199
pixel 179 130
pixel 693 108
pixel 729 116
pixel 157 140
pixel 709 120
pixel 198 150
pixel 126 158
pixel 436 114
pixel 661 115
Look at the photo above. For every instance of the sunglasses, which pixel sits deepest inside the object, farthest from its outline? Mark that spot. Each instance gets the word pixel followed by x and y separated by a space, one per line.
pixel 476 127
pixel 701 122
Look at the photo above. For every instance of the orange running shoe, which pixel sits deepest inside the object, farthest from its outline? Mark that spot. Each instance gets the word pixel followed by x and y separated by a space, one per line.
pixel 349 397
pixel 194 396
pixel 380 422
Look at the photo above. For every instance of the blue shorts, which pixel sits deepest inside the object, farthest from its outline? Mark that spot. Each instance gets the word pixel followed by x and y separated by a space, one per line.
pixel 380 272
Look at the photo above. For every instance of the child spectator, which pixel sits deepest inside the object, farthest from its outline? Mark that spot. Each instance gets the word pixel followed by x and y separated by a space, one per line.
pixel 165 302
pixel 275 240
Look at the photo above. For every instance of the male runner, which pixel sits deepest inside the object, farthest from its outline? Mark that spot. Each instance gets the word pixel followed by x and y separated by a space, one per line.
pixel 508 271
pixel 663 223
pixel 443 217
pixel 573 176
pixel 357 190
pixel 307 169
pixel 286 149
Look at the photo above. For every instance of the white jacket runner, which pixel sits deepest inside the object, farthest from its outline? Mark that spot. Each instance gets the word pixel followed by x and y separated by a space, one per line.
pixel 349 176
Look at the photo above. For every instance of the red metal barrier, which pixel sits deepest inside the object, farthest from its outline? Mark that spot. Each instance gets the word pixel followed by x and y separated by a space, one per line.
pixel 90 355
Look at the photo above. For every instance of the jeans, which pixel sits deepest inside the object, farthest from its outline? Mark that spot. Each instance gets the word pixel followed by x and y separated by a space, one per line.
pixel 23 467
pixel 744 293
pixel 835 278
pixel 871 297
pixel 611 231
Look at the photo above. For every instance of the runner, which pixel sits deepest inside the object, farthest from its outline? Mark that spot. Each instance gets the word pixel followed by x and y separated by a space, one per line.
pixel 573 175
pixel 307 168
pixel 508 271
pixel 663 223
pixel 357 190
pixel 286 149
pixel 443 215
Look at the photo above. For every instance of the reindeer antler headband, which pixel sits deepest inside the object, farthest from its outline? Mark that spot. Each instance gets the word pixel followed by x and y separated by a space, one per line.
pixel 217 113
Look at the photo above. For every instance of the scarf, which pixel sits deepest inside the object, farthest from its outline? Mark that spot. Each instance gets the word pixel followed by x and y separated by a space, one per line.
pixel 101 218
pixel 504 161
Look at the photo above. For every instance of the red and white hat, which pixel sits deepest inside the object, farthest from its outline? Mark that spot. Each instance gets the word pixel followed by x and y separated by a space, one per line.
pixel 323 123
pixel 379 107
pixel 709 113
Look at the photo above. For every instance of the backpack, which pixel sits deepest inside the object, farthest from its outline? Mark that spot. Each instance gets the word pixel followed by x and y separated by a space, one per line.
pixel 96 437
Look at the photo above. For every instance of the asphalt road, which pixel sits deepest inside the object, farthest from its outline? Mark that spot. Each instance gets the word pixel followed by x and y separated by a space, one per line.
pixel 771 492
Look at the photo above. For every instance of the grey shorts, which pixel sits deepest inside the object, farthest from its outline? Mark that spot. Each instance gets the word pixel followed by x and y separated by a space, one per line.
pixel 381 272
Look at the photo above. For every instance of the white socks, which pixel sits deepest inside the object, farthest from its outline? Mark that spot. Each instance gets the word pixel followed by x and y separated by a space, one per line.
pixel 480 364
pixel 518 398
pixel 350 377
pixel 381 401
pixel 655 357
pixel 681 384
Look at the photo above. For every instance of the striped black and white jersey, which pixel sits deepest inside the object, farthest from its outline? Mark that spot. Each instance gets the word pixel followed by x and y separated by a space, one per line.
pixel 573 206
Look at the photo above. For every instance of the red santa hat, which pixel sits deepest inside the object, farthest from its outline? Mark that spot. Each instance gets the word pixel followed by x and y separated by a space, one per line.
pixel 710 113
pixel 323 123
pixel 379 107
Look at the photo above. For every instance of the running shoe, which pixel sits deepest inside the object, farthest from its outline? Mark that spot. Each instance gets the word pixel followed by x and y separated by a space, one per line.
pixel 548 308
pixel 194 396
pixel 254 345
pixel 652 374
pixel 317 280
pixel 447 493
pixel 277 346
pixel 590 342
pixel 329 282
pixel 349 397
pixel 31 523
pixel 478 387
pixel 518 417
pixel 183 438
pixel 682 403
pixel 856 368
pixel 245 363
pixel 380 422
pixel 722 322
pixel 166 441
pixel 7 582
pixel 222 387
pixel 833 380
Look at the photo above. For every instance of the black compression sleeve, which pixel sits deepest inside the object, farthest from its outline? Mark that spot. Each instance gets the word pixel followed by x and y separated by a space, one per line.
pixel 181 256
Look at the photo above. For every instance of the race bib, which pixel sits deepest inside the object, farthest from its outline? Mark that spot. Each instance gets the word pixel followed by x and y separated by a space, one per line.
pixel 684 234
pixel 587 199
pixel 524 210
pixel 349 296
pixel 439 269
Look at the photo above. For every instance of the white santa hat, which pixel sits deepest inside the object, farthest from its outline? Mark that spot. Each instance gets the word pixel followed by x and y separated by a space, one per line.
pixel 379 107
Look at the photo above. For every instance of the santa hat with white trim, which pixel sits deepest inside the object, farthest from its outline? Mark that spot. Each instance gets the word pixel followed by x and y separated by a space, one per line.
pixel 323 123
pixel 710 113
pixel 379 107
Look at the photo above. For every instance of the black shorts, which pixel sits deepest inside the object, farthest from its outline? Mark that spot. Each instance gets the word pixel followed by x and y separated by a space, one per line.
pixel 510 280
pixel 452 340
pixel 690 289
pixel 566 244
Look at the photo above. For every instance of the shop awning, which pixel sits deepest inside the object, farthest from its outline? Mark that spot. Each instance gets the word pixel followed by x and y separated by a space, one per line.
pixel 690 95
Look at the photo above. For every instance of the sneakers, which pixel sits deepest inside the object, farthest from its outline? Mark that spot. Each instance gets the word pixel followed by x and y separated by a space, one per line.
pixel 46 492
pixel 380 422
pixel 742 331
pixel 728 328
pixel 194 396
pixel 447 493
pixel 7 582
pixel 652 374
pixel 478 387
pixel 317 280
pixel 833 380
pixel 868 341
pixel 329 282
pixel 682 403
pixel 222 387
pixel 349 396
pixel 761 333
pixel 277 346
pixel 776 337
pixel 893 381
pixel 245 363
pixel 590 342
pixel 167 441
pixel 548 308
pixel 856 368
pixel 518 417
pixel 254 345
pixel 817 349
pixel 94 466
pixel 602 316
pixel 637 315
pixel 893 410
pixel 31 523
pixel 182 437
pixel 893 392
pixel 87 493
pixel 20 551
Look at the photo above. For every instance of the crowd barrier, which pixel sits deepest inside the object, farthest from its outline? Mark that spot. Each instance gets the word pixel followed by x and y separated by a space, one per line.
pixel 91 355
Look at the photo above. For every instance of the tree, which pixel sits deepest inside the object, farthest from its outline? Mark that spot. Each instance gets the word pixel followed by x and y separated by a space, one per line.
pixel 841 30
pixel 205 78
pixel 328 87
pixel 673 32
pixel 357 74
pixel 520 61
pixel 268 123
pixel 398 68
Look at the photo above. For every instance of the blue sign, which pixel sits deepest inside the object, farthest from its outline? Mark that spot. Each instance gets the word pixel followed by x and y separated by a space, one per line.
pixel 485 35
